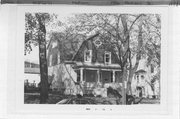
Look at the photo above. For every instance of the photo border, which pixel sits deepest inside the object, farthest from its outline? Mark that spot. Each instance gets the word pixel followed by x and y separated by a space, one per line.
pixel 16 79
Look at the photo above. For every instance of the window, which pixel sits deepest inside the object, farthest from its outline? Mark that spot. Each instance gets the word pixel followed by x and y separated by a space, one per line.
pixel 32 65
pixel 78 75
pixel 58 59
pixel 27 64
pixel 152 69
pixel 107 57
pixel 97 43
pixel 88 56
pixel 142 76
pixel 90 76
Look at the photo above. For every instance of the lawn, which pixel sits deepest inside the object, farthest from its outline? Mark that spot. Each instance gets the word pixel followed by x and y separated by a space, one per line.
pixel 33 98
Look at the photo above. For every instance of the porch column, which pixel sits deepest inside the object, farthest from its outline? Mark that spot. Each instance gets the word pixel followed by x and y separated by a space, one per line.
pixel 98 76
pixel 81 74
pixel 113 76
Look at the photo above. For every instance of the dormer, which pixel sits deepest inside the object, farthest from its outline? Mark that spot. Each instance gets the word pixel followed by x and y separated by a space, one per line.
pixel 87 55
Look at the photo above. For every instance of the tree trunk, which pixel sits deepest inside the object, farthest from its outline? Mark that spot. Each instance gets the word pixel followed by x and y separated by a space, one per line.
pixel 138 57
pixel 129 90
pixel 43 71
pixel 130 77
pixel 43 61
pixel 124 89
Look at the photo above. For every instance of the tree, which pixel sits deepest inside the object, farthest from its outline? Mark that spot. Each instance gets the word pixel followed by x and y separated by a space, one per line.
pixel 36 35
pixel 68 41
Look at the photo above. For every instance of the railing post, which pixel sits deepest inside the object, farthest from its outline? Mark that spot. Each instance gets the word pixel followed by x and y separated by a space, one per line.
pixel 113 76
pixel 98 76
pixel 81 74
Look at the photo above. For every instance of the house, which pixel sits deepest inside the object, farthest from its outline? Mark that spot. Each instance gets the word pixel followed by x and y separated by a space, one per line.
pixel 61 76
pixel 96 64
pixel 53 52
pixel 143 82
pixel 31 73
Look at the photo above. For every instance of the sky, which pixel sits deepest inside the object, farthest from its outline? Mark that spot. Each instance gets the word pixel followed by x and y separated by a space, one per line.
pixel 33 56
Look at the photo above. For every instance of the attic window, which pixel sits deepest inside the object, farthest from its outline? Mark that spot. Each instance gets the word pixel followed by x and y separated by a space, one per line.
pixel 97 42
pixel 88 56
pixel 107 58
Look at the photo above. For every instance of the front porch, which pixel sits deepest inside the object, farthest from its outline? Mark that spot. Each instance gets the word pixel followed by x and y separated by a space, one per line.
pixel 92 76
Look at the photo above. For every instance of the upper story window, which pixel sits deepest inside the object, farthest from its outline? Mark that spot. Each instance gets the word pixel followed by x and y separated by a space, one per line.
pixel 58 59
pixel 152 69
pixel 97 43
pixel 107 58
pixel 88 56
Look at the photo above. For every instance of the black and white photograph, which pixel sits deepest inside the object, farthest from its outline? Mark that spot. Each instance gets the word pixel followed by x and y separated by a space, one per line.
pixel 89 61
pixel 92 58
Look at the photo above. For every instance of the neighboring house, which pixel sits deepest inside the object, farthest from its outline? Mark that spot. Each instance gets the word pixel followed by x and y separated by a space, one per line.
pixel 53 53
pixel 31 73
pixel 96 64
pixel 61 76
pixel 142 82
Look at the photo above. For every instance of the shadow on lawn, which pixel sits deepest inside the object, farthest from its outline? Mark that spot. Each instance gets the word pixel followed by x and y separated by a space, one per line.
pixel 33 98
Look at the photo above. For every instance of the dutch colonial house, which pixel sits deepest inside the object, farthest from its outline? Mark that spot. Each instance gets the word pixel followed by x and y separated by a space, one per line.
pixel 96 64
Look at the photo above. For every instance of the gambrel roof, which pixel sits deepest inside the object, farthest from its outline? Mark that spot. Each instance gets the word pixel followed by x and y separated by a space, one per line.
pixel 97 52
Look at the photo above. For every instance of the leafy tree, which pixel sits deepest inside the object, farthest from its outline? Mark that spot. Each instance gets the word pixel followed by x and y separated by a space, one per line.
pixel 35 26
pixel 68 43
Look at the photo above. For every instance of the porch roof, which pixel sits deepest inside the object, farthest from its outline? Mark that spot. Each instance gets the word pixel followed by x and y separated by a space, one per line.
pixel 97 65
pixel 140 71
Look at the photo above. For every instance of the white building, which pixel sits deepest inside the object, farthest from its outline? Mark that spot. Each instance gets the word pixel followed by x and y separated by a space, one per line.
pixel 142 82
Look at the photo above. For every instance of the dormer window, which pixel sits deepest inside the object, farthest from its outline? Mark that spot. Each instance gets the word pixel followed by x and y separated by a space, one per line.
pixel 88 56
pixel 107 58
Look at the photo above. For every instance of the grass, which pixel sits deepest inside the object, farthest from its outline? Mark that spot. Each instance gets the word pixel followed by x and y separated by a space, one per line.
pixel 150 101
pixel 33 98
